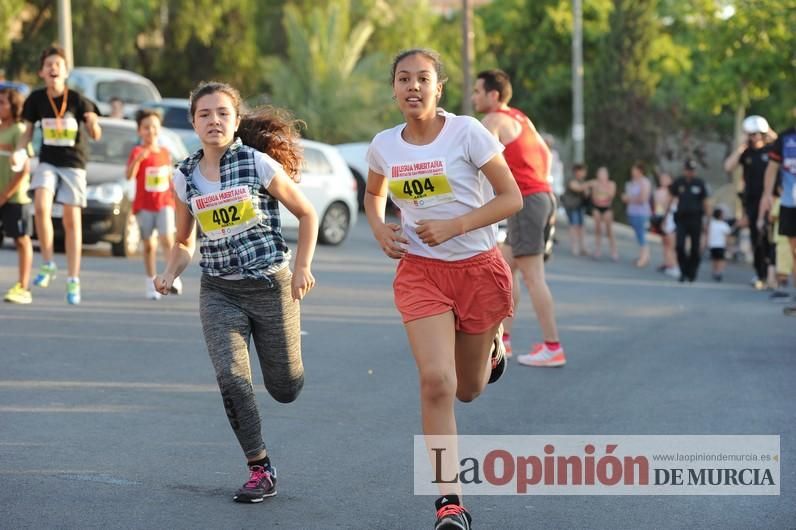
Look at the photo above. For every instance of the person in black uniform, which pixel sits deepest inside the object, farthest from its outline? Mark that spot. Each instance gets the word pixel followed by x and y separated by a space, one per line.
pixel 753 156
pixel 692 208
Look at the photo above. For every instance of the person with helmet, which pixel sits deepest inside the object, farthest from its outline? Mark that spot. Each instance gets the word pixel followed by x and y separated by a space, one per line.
pixel 752 154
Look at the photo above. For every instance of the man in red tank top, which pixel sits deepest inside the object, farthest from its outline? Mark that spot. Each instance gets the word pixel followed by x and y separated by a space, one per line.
pixel 529 160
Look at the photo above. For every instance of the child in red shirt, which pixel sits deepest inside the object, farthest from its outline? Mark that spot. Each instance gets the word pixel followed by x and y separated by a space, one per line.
pixel 151 166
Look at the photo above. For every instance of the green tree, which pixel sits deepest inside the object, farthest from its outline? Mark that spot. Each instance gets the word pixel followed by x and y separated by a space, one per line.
pixel 532 40
pixel 10 11
pixel 324 78
pixel 620 118
pixel 742 55
pixel 207 40
pixel 37 31
pixel 175 42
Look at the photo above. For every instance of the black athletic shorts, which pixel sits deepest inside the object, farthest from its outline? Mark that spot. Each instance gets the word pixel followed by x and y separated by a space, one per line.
pixel 16 220
pixel 787 221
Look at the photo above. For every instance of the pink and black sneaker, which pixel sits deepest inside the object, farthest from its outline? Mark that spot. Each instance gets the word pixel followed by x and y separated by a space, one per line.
pixel 451 515
pixel 498 357
pixel 261 484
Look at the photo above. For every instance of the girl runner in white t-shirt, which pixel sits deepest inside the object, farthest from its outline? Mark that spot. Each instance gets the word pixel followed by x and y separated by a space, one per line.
pixel 452 286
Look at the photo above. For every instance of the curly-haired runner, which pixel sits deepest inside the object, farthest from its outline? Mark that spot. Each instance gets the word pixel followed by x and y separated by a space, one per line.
pixel 247 290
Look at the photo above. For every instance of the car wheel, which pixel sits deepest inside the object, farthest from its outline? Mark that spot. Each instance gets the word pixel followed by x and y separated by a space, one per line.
pixel 131 239
pixel 334 224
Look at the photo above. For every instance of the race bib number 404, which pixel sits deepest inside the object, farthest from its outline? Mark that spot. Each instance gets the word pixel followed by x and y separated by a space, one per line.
pixel 61 132
pixel 421 184
pixel 225 213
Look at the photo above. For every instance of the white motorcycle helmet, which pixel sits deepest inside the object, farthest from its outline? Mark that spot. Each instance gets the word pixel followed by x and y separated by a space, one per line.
pixel 755 124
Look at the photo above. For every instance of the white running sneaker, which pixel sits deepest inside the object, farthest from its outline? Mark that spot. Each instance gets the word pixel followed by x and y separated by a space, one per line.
pixel 176 286
pixel 542 356
pixel 151 293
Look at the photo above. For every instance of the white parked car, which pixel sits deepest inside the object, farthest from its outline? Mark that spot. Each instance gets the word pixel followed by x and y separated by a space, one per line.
pixel 100 85
pixel 330 187
pixel 355 155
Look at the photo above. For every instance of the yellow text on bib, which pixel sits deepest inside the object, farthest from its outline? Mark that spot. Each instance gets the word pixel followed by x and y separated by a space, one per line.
pixel 157 179
pixel 59 132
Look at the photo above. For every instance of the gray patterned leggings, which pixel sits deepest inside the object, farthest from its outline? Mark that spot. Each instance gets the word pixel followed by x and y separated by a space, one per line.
pixel 232 311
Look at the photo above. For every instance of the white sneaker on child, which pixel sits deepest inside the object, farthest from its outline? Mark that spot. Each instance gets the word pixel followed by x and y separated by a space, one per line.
pixel 151 293
pixel 176 286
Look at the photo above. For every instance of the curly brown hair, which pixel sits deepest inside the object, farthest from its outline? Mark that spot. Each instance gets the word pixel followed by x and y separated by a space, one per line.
pixel 274 132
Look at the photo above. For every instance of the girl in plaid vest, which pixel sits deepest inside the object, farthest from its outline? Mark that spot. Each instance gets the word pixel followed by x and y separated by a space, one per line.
pixel 231 188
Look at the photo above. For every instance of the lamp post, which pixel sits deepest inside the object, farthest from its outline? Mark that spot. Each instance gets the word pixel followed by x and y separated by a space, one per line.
pixel 65 30
pixel 578 127
pixel 468 52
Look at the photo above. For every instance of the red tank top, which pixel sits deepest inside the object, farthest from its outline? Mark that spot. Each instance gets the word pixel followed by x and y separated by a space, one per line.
pixel 527 156
pixel 153 195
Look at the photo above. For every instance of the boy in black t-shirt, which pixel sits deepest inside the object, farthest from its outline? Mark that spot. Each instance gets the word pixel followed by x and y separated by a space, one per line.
pixel 61 173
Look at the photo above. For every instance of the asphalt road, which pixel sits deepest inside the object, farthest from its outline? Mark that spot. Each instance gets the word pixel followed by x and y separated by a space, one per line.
pixel 110 417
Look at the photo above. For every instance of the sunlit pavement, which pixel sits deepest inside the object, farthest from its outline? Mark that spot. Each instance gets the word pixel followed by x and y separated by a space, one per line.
pixel 110 418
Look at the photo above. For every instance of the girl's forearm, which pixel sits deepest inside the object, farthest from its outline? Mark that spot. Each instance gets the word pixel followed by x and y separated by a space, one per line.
pixel 502 206
pixel 307 237
pixel 375 206
pixel 180 257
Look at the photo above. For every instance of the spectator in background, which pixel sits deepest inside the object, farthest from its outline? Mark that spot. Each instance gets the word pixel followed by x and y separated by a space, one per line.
pixel 602 191
pixel 663 222
pixel 574 202
pixel 637 197
pixel 117 108
pixel 692 207
pixel 752 155
pixel 718 230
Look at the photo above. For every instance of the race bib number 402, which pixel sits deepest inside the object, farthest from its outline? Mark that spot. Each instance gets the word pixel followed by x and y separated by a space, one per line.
pixel 61 132
pixel 421 184
pixel 225 213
